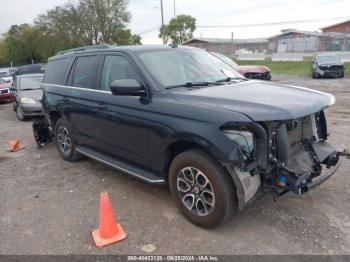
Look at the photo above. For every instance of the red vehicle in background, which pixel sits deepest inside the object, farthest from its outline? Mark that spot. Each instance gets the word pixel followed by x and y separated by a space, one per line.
pixel 5 92
pixel 249 71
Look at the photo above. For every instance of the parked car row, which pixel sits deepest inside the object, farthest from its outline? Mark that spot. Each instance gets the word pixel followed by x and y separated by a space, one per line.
pixel 22 88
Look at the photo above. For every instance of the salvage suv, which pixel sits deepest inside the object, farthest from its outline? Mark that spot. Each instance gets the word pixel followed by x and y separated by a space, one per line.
pixel 178 115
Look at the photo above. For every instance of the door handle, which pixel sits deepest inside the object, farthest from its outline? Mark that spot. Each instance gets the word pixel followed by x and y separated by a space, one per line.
pixel 101 107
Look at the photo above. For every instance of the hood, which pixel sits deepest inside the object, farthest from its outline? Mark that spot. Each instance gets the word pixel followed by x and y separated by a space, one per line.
pixel 261 101
pixel 33 94
pixel 330 64
pixel 253 69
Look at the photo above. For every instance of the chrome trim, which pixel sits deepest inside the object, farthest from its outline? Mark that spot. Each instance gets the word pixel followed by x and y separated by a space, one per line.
pixel 120 168
pixel 79 88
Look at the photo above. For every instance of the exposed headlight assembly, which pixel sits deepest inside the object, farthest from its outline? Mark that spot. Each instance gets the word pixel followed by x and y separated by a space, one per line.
pixel 244 139
pixel 25 100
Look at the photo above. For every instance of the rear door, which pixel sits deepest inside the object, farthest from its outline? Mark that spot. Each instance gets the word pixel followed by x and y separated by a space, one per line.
pixel 79 101
pixel 121 125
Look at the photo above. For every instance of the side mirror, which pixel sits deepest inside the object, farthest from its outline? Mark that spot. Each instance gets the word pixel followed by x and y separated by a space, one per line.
pixel 127 87
pixel 13 89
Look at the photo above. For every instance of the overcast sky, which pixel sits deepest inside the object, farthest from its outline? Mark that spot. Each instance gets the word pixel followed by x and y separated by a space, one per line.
pixel 146 15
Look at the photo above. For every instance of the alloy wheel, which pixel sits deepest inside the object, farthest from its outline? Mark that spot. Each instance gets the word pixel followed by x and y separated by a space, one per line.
pixel 196 191
pixel 64 140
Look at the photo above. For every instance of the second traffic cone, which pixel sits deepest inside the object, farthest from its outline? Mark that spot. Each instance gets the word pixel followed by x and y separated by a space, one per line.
pixel 109 230
pixel 14 145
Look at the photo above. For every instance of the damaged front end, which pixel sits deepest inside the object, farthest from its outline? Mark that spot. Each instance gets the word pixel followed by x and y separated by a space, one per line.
pixel 289 155
pixel 42 129
pixel 299 158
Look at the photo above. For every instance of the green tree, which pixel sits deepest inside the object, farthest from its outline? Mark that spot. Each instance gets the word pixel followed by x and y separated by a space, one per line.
pixel 88 22
pixel 78 23
pixel 124 37
pixel 135 40
pixel 179 29
pixel 3 53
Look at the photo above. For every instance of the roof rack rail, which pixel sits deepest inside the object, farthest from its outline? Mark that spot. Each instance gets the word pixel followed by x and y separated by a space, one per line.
pixel 83 48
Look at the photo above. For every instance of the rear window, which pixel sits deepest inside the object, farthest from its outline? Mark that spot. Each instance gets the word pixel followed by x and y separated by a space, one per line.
pixel 30 83
pixel 56 71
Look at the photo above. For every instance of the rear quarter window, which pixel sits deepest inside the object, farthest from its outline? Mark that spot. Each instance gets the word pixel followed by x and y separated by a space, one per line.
pixel 56 71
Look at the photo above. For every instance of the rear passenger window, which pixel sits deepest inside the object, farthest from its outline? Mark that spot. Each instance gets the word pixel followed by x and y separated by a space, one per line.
pixel 85 72
pixel 56 71
pixel 116 68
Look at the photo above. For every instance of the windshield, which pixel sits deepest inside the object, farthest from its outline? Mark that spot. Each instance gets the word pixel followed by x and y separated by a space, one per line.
pixel 30 83
pixel 328 59
pixel 3 74
pixel 225 59
pixel 178 67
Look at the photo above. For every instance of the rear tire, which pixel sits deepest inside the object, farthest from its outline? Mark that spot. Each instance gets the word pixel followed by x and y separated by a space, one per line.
pixel 64 141
pixel 202 189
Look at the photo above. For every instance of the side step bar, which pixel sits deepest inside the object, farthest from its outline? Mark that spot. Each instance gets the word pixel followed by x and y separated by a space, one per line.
pixel 121 166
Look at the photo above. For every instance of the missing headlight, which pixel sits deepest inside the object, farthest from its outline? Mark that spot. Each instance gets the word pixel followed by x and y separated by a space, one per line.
pixel 244 139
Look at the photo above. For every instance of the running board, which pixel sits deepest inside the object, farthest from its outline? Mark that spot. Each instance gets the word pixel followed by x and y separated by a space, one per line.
pixel 121 166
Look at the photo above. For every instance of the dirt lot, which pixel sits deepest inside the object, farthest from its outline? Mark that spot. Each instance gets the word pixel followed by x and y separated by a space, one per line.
pixel 49 206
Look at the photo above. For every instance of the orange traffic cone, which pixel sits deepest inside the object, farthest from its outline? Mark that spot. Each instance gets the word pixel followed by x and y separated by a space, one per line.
pixel 14 145
pixel 109 231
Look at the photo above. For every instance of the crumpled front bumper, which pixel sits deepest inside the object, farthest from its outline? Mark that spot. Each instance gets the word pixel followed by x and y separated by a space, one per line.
pixel 319 162
pixel 329 72
pixel 304 183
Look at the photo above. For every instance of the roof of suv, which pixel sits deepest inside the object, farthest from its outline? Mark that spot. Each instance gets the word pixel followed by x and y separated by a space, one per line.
pixel 106 47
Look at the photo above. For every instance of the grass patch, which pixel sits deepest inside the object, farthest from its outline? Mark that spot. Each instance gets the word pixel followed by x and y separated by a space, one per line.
pixel 287 67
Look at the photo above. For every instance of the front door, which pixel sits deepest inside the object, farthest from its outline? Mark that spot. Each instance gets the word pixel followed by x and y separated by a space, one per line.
pixel 121 125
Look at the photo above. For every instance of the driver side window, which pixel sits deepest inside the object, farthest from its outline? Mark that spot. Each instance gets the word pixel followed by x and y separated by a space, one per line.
pixel 116 68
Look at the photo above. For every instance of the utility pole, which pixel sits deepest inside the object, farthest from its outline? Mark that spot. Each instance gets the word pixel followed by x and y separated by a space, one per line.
pixel 174 9
pixel 232 46
pixel 161 9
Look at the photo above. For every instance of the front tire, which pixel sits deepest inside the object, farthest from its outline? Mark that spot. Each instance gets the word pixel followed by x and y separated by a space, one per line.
pixel 202 189
pixel 64 141
pixel 20 113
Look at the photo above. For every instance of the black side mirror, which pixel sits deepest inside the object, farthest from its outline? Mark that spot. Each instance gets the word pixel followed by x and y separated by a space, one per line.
pixel 127 87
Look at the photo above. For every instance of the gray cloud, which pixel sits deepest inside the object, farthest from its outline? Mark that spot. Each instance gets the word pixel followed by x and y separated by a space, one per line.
pixel 146 14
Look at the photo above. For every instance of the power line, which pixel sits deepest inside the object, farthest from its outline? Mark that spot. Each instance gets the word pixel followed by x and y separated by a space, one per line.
pixel 273 23
pixel 148 30
pixel 258 24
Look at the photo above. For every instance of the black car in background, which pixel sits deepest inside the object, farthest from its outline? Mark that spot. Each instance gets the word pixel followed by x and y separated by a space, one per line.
pixel 178 115
pixel 30 69
pixel 26 95
pixel 327 66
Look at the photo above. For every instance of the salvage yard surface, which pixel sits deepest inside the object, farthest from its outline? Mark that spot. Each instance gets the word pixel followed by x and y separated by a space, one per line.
pixel 49 206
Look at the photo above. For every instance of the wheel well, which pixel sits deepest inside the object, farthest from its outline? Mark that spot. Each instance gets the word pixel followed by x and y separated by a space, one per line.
pixel 54 116
pixel 177 148
pixel 181 146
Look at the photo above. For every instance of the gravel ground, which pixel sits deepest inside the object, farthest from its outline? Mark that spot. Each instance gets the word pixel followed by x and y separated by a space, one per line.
pixel 49 206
